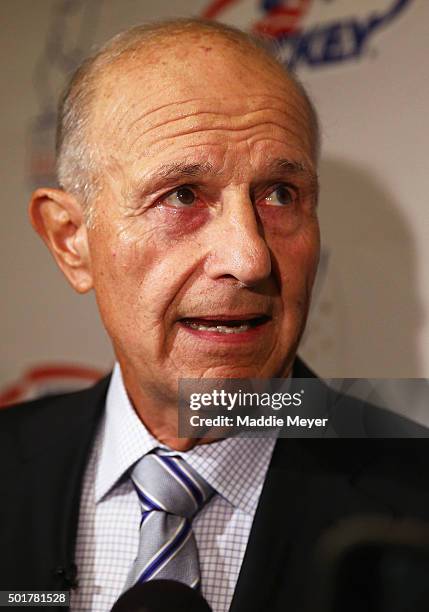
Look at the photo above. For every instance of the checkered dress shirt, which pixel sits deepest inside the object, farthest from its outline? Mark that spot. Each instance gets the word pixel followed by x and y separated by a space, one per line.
pixel 108 532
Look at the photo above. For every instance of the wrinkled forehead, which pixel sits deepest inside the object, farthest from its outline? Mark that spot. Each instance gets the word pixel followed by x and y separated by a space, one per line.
pixel 192 85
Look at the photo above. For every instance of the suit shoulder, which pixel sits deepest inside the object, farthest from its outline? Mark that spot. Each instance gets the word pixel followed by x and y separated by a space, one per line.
pixel 74 400
pixel 30 423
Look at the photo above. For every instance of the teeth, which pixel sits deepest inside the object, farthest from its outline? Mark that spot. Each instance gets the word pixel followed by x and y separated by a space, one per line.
pixel 221 329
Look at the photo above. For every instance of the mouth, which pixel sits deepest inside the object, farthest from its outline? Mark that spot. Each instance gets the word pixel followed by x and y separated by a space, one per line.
pixel 225 325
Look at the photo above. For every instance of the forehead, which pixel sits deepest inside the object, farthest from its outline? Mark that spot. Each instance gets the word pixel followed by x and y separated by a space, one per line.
pixel 197 95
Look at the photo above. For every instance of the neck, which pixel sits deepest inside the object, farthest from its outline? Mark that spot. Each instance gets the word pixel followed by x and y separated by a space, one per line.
pixel 159 415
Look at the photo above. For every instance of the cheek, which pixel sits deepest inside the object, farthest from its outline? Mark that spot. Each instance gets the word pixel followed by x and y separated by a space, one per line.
pixel 121 253
pixel 140 271
pixel 295 260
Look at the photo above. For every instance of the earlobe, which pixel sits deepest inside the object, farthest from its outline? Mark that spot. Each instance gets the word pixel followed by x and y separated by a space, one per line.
pixel 58 218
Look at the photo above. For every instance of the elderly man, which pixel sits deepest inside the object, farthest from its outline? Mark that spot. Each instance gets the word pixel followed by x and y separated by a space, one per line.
pixel 187 162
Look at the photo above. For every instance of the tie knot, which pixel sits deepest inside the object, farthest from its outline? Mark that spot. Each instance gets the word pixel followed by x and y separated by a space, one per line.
pixel 167 483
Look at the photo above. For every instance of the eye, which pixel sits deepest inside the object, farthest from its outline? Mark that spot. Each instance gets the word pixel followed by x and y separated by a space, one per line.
pixel 281 196
pixel 181 197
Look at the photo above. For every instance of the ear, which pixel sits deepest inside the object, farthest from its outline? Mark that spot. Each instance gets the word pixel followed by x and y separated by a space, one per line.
pixel 58 218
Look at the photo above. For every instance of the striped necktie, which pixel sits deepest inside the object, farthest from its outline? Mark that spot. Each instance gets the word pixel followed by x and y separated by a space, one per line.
pixel 170 494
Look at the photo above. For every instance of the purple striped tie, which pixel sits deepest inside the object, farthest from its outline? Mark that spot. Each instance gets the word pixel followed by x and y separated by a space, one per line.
pixel 170 494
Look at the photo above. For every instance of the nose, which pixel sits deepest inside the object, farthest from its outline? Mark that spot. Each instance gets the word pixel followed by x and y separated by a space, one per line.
pixel 239 249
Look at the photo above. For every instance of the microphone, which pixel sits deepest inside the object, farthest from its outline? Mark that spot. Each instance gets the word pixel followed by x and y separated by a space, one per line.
pixel 161 596
pixel 67 575
pixel 374 564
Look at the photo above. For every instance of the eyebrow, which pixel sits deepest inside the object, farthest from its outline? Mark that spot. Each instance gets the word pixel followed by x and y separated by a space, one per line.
pixel 287 165
pixel 290 167
pixel 179 171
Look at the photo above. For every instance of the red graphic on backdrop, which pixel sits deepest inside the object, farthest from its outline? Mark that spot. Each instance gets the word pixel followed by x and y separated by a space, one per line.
pixel 49 379
pixel 281 17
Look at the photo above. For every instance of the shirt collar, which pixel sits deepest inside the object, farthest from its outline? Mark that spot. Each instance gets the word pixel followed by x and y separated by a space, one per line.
pixel 235 467
pixel 124 438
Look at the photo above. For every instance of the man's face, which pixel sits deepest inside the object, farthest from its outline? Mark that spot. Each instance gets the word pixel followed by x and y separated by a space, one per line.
pixel 206 241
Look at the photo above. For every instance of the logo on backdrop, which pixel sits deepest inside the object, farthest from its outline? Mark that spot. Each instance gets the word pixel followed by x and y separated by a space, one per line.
pixel 71 32
pixel 311 33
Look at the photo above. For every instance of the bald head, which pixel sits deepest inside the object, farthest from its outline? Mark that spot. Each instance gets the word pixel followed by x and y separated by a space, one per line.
pixel 141 67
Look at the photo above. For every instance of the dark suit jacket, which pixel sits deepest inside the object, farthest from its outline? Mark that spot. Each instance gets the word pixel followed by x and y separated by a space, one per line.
pixel 310 484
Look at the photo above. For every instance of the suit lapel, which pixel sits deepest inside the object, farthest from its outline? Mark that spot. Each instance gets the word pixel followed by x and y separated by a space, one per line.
pixel 266 551
pixel 42 509
pixel 311 484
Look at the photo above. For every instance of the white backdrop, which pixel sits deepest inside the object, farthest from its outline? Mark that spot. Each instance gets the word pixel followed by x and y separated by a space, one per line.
pixel 369 80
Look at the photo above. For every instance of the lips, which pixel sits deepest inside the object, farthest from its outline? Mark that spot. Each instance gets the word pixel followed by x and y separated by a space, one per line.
pixel 225 324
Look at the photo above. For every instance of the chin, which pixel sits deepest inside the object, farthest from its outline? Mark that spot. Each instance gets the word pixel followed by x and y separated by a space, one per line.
pixel 232 370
